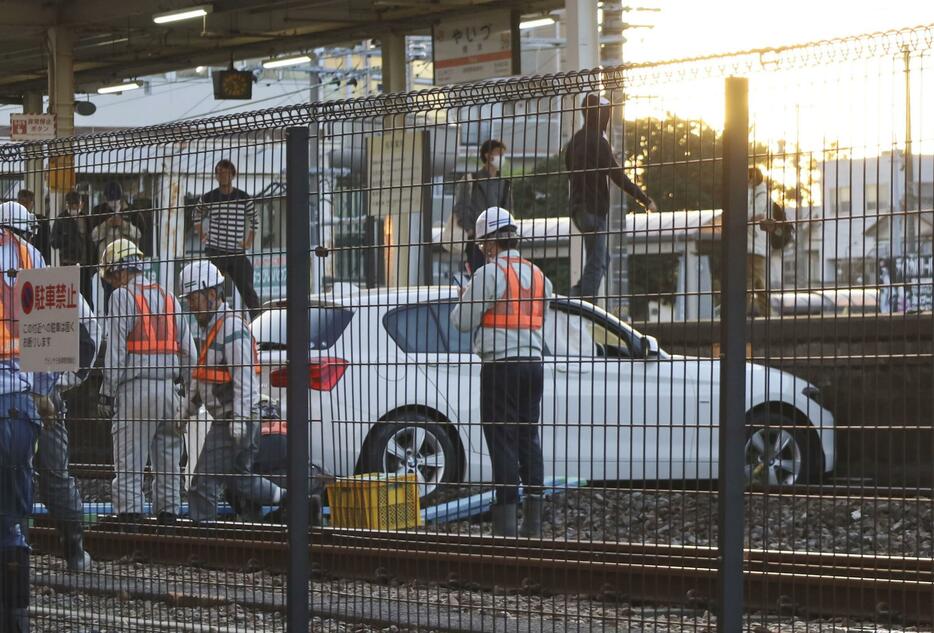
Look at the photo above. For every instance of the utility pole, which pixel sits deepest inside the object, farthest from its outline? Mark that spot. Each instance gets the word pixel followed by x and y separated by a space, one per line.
pixel 909 203
pixel 611 55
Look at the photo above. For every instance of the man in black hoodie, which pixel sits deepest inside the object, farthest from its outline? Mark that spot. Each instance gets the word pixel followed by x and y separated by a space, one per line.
pixel 589 160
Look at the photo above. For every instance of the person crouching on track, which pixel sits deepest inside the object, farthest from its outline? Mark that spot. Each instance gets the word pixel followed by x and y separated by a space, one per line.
pixel 506 303
pixel 226 380
pixel 20 394
pixel 149 352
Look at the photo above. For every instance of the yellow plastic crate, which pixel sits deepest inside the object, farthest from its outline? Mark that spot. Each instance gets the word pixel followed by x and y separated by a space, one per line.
pixel 376 501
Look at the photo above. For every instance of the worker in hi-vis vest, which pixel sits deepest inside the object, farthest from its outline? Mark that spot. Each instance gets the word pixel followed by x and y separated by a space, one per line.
pixel 22 397
pixel 506 304
pixel 226 380
pixel 149 355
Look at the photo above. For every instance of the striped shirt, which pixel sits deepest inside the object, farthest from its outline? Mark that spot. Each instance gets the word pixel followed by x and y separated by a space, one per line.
pixel 230 216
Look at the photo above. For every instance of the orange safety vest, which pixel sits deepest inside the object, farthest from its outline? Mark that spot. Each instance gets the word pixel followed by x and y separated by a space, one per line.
pixel 218 374
pixel 521 308
pixel 9 325
pixel 153 334
pixel 274 427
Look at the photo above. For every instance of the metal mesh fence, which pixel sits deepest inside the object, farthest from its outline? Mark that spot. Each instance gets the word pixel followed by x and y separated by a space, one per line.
pixel 515 422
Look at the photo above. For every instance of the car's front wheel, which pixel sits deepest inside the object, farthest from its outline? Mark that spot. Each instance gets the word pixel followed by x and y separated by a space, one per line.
pixel 412 443
pixel 780 452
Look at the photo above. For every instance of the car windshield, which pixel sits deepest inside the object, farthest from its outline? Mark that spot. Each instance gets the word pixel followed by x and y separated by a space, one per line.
pixel 326 324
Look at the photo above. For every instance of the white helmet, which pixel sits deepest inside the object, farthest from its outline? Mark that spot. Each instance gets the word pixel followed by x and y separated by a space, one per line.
pixel 494 220
pixel 17 218
pixel 197 276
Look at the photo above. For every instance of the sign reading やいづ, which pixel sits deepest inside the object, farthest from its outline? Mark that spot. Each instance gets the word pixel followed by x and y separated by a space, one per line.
pixel 472 47
pixel 48 312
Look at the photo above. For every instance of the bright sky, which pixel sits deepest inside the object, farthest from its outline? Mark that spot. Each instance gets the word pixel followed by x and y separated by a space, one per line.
pixel 685 28
pixel 859 104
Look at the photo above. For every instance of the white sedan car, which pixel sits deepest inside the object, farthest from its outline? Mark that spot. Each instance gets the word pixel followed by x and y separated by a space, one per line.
pixel 393 387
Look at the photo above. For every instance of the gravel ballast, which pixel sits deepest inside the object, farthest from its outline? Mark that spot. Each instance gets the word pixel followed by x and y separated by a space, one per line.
pixel 404 604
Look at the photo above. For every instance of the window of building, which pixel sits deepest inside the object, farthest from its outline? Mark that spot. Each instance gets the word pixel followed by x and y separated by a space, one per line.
pixel 878 197
pixel 926 196
pixel 839 201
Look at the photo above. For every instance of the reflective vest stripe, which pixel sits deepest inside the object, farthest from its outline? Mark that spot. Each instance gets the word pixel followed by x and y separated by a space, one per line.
pixel 520 308
pixel 153 334
pixel 9 328
pixel 274 427
pixel 218 374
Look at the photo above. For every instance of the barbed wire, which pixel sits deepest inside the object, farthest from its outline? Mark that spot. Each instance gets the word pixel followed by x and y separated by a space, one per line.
pixel 817 53
pixel 875 45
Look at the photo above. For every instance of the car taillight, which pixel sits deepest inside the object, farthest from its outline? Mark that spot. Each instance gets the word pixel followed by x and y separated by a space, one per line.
pixel 323 374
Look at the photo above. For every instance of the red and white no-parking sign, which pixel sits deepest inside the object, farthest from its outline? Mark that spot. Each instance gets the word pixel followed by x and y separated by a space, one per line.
pixel 47 314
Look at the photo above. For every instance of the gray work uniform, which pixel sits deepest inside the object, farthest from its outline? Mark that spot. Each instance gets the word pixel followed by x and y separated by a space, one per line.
pixel 148 408
pixel 227 383
pixel 486 287
pixel 512 374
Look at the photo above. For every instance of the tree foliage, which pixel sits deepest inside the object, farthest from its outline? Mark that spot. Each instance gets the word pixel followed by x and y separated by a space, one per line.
pixel 675 160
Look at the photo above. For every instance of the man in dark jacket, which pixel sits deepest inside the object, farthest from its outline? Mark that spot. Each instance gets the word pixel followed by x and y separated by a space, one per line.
pixel 480 191
pixel 71 237
pixel 589 160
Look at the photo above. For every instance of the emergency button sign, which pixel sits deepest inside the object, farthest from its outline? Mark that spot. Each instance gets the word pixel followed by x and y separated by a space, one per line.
pixel 48 325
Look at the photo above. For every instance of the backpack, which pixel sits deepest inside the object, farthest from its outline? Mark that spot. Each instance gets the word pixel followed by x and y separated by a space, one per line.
pixel 783 233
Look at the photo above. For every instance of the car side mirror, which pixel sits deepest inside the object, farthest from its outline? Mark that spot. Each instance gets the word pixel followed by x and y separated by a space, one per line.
pixel 650 346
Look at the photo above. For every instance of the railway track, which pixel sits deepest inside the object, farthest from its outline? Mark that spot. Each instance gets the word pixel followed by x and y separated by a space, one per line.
pixel 831 489
pixel 883 588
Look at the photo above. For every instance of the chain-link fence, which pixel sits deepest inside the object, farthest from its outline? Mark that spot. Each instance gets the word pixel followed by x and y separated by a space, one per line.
pixel 639 348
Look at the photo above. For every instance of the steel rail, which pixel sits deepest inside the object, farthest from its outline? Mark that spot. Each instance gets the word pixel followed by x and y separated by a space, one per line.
pixel 812 583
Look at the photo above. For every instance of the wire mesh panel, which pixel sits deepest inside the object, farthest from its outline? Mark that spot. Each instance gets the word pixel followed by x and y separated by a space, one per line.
pixel 513 370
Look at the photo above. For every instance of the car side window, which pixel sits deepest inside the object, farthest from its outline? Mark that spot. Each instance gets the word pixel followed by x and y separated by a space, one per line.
pixel 582 336
pixel 415 329
pixel 568 335
pixel 457 342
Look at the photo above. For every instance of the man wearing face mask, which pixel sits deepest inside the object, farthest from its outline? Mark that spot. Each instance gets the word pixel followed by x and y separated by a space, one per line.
pixel 113 226
pixel 506 304
pixel 589 160
pixel 481 190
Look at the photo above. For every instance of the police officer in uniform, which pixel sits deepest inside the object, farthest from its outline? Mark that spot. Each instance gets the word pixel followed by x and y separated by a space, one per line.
pixel 226 381
pixel 149 353
pixel 506 304
pixel 20 421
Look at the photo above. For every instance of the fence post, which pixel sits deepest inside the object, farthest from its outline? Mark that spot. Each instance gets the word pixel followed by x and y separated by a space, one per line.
pixel 298 288
pixel 731 478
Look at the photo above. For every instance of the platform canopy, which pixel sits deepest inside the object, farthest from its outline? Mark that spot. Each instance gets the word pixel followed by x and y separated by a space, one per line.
pixel 119 39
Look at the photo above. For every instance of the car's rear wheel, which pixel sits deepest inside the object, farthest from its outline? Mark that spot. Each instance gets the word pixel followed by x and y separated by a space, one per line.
pixel 780 452
pixel 412 443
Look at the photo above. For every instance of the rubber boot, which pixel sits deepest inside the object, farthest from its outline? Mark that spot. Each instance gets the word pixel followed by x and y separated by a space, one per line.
pixel 531 516
pixel 76 557
pixel 14 620
pixel 504 519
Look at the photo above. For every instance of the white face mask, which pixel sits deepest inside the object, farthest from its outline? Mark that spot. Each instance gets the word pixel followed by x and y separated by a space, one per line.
pixel 497 161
